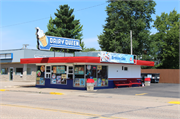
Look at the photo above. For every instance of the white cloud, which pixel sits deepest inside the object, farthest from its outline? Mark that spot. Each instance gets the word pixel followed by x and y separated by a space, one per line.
pixel 91 43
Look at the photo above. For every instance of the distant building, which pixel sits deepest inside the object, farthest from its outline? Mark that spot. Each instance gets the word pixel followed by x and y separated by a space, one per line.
pixel 12 70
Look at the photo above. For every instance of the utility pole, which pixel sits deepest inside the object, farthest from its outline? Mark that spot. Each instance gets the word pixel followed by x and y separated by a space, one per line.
pixel 131 41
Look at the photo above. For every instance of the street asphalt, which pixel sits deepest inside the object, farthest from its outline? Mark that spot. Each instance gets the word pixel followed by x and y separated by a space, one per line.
pixel 24 100
pixel 155 90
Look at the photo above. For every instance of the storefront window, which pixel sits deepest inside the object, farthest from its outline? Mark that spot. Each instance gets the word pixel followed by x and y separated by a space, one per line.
pixel 28 71
pixel 4 70
pixel 40 75
pixel 91 72
pixel 102 76
pixel 79 80
pixel 19 71
pixel 58 75
pixel 96 72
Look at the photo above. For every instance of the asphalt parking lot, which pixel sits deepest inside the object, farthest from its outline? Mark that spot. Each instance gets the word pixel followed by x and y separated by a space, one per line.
pixel 155 90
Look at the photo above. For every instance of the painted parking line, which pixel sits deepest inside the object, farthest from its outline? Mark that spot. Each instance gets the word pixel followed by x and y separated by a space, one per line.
pixel 175 102
pixel 3 90
pixel 56 93
pixel 63 111
pixel 141 94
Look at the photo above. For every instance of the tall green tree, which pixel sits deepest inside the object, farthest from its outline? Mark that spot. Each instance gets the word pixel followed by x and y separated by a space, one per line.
pixel 123 16
pixel 167 40
pixel 65 25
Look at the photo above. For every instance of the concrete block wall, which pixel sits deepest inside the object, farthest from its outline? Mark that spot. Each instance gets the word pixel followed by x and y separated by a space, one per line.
pixel 17 77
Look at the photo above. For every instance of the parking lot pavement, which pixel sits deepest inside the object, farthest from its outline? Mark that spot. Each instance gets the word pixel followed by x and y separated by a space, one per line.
pixel 155 89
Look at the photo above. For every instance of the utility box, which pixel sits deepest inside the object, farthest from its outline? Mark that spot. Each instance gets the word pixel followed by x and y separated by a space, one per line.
pixel 90 84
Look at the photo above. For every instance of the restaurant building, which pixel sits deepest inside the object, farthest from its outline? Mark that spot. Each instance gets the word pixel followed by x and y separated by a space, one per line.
pixel 73 72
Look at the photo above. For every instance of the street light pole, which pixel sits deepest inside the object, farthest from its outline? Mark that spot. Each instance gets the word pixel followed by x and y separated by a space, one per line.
pixel 131 41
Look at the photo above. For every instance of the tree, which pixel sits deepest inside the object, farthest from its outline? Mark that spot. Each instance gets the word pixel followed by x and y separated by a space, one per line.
pixel 65 25
pixel 124 16
pixel 167 40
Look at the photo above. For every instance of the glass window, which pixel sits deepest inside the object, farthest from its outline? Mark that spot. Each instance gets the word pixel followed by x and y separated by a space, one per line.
pixel 79 80
pixel 28 71
pixel 19 71
pixel 58 75
pixel 4 70
pixel 40 75
pixel 48 69
pixel 70 69
pixel 91 72
pixel 102 79
pixel 8 56
pixel 125 68
pixel 2 56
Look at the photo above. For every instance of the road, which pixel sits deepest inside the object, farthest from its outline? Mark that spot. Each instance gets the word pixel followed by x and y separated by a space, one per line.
pixel 154 90
pixel 23 105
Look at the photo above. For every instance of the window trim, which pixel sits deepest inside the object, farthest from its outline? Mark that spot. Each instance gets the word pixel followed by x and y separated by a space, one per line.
pixel 16 72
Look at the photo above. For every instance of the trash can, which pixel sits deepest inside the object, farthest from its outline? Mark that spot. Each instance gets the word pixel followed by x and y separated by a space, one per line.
pixel 90 84
pixel 147 81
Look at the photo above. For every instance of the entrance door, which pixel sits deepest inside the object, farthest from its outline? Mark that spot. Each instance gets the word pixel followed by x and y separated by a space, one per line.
pixel 11 74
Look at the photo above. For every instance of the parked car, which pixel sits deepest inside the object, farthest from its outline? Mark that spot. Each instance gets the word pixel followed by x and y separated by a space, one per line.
pixel 154 77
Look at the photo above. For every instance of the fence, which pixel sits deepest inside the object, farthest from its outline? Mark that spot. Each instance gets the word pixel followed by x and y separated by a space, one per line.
pixel 166 75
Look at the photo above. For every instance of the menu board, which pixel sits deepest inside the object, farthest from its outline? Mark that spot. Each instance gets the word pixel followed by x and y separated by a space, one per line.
pixel 79 70
pixel 79 82
pixel 60 69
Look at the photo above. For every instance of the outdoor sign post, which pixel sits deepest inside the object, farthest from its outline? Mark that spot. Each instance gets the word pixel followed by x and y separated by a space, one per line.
pixel 47 42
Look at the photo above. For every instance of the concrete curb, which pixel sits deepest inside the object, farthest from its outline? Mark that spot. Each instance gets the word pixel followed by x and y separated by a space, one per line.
pixel 40 92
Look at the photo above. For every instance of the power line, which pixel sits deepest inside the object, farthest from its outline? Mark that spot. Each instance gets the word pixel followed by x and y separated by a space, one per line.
pixel 24 22
pixel 48 17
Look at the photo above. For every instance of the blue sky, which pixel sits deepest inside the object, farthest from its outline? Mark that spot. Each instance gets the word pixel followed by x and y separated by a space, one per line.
pixel 20 17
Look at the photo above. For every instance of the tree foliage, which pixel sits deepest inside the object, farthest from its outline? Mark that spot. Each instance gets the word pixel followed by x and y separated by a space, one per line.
pixel 65 25
pixel 167 40
pixel 124 16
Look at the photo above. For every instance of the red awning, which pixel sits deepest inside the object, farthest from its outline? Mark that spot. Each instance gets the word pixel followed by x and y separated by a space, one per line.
pixel 144 63
pixel 83 59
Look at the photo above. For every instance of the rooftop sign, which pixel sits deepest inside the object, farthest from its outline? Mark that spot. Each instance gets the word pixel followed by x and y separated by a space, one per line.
pixel 116 57
pixel 47 42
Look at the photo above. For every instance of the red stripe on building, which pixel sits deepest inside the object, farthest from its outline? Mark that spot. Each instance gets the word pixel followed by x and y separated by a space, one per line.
pixel 83 59
pixel 144 63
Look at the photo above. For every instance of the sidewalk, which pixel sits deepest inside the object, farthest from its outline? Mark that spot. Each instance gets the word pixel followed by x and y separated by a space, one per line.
pixel 30 87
